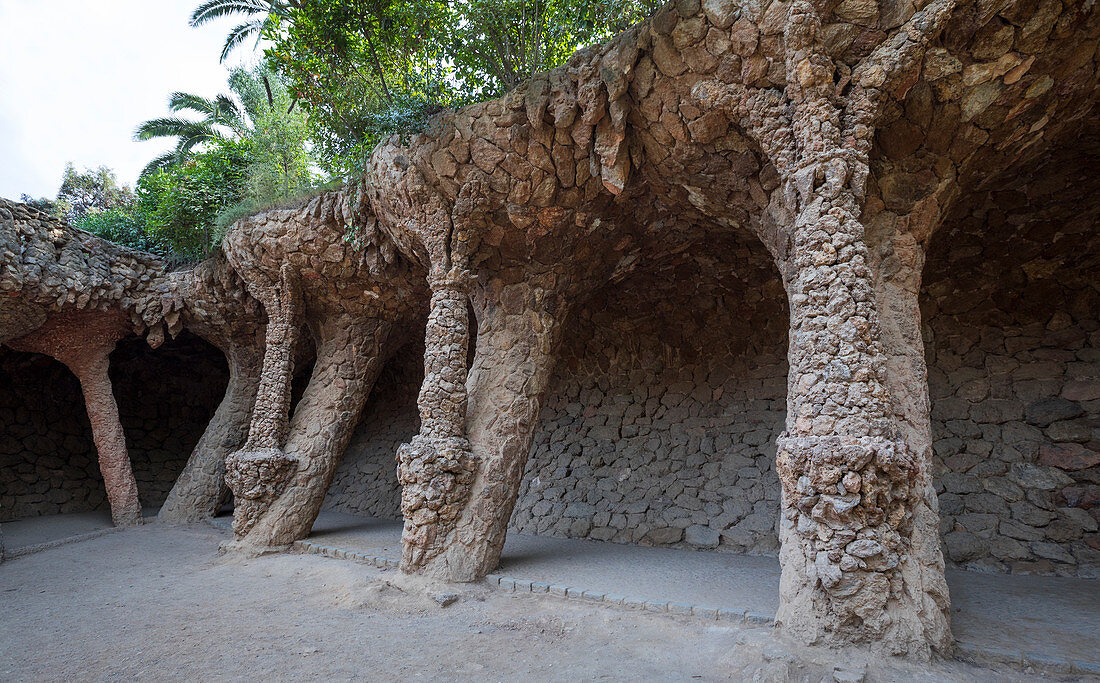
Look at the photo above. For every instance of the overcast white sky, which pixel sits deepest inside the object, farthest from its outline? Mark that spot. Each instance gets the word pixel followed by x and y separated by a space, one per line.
pixel 76 78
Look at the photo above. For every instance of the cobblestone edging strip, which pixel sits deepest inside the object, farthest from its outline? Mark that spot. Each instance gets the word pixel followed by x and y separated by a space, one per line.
pixel 707 612
pixel 966 652
pixel 1036 661
pixel 337 553
pixel 39 547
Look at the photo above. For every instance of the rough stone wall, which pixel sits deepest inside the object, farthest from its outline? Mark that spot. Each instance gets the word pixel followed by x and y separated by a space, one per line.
pixel 166 398
pixel 659 427
pixel 48 462
pixel 365 482
pixel 1012 336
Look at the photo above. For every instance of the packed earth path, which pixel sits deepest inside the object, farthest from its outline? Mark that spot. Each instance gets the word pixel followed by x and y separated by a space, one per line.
pixel 160 602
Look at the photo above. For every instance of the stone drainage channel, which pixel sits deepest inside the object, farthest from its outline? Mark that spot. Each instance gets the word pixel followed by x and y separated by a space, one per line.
pixel 972 653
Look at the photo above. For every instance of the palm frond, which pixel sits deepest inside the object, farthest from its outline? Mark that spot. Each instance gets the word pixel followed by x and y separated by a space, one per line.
pixel 238 35
pixel 228 111
pixel 167 127
pixel 215 9
pixel 166 160
pixel 179 101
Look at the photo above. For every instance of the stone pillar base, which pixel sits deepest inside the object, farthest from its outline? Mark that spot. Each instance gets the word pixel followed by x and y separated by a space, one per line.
pixel 435 476
pixel 256 477
pixel 846 529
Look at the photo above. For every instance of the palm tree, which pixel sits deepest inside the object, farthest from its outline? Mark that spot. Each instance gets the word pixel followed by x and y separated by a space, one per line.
pixel 262 15
pixel 221 119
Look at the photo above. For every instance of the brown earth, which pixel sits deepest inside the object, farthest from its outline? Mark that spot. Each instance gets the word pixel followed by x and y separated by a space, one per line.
pixel 158 603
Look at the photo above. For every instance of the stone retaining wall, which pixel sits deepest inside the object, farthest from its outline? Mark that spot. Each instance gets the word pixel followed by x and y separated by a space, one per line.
pixel 1012 300
pixel 48 463
pixel 660 424
pixel 365 482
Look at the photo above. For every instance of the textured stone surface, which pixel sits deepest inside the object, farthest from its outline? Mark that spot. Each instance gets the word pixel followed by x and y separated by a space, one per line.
pixel 165 398
pixel 1012 334
pixel 859 148
pixel 326 262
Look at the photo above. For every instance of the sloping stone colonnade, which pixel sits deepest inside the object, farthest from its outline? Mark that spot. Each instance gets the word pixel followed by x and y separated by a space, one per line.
pixel 838 135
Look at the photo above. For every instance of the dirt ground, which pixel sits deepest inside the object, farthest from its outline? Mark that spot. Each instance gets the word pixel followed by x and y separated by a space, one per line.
pixel 159 603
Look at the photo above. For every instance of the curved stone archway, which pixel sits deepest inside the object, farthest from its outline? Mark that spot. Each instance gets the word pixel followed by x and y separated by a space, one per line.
pixel 660 421
pixel 1010 303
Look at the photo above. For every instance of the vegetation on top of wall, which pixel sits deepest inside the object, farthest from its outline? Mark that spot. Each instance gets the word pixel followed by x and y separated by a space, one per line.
pixel 334 79
pixel 364 69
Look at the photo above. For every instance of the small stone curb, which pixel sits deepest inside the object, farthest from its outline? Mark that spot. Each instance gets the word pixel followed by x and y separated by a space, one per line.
pixel 337 553
pixel 990 654
pixel 965 652
pixel 705 612
pixel 39 547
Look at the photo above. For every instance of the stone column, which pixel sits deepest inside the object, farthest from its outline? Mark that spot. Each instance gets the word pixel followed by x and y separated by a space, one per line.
pixel 349 358
pixel 853 485
pixel 852 482
pixel 258 472
pixel 200 486
pixel 437 467
pixel 110 441
pixel 83 341
pixel 518 330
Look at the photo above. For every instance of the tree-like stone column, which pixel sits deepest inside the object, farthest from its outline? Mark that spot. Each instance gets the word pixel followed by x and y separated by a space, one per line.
pixel 350 353
pixel 849 481
pixel 852 483
pixel 518 331
pixel 83 341
pixel 258 472
pixel 437 467
pixel 199 488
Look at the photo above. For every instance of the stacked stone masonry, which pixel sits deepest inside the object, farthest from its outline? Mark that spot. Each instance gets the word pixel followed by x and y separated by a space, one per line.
pixel 166 398
pixel 613 268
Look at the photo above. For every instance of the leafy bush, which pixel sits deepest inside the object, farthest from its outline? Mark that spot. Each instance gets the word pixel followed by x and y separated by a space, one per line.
pixel 181 204
pixel 124 226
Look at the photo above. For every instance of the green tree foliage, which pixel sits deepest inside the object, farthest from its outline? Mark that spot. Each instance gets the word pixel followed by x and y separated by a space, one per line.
pixel 259 116
pixel 91 191
pixel 261 14
pixel 497 44
pixel 44 204
pixel 365 68
pixel 126 226
pixel 234 153
pixel 220 119
pixel 174 211
pixel 280 165
pixel 180 205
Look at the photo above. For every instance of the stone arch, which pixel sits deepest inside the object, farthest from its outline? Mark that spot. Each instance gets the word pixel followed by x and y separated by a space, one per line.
pixel 48 462
pixel 165 398
pixel 1009 307
pixel 660 423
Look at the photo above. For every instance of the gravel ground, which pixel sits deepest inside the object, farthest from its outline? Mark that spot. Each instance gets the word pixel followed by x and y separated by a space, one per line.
pixel 159 603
